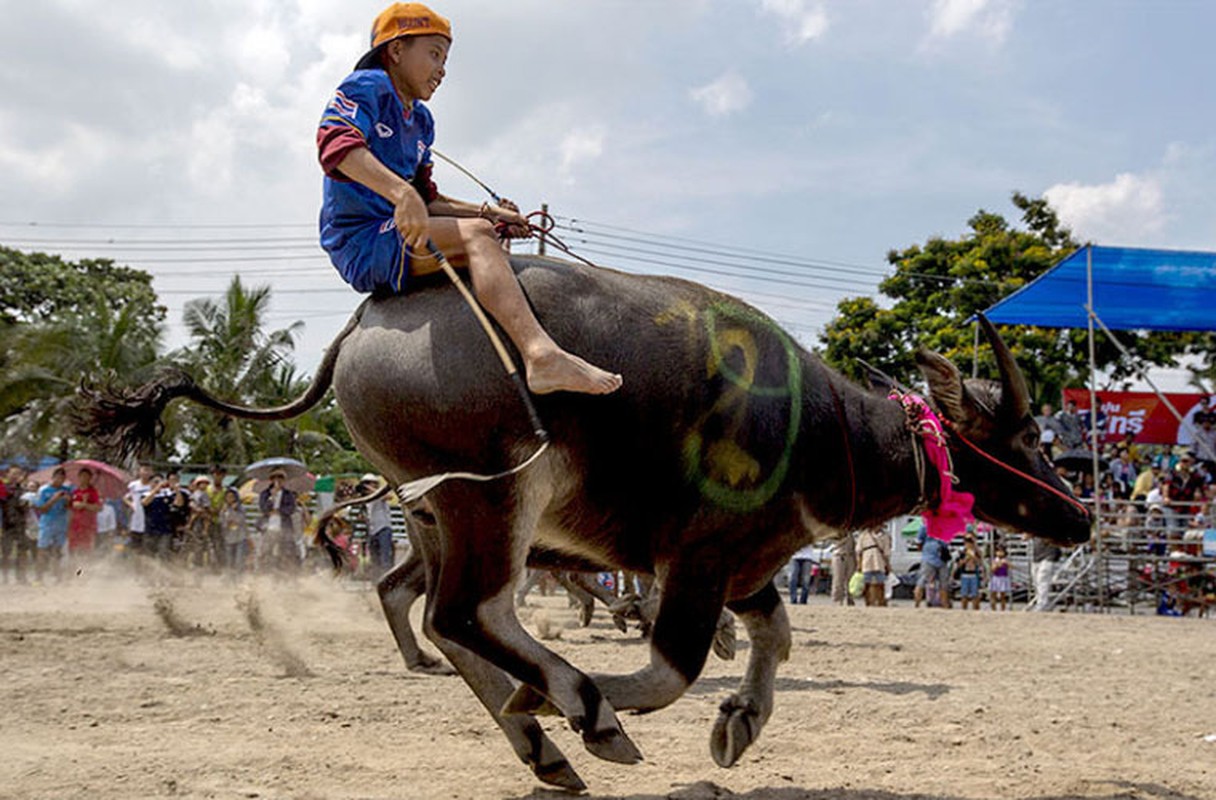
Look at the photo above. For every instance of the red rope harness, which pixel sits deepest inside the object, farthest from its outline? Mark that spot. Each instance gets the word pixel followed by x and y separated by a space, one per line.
pixel 1042 485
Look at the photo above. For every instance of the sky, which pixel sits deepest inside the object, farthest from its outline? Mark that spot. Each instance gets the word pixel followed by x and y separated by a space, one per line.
pixel 775 149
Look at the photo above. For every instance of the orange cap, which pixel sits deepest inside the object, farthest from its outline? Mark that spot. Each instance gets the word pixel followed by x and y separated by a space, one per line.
pixel 402 19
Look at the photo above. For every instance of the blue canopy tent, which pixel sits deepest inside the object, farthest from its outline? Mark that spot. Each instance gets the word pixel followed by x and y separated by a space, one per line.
pixel 1117 288
pixel 1132 289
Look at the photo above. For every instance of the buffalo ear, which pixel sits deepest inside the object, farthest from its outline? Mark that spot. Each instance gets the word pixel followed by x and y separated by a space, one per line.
pixel 946 387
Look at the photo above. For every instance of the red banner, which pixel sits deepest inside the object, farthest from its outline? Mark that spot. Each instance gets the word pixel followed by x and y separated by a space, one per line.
pixel 1141 413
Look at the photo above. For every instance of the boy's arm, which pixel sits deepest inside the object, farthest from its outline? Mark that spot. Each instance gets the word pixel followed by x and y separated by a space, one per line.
pixel 506 213
pixel 409 213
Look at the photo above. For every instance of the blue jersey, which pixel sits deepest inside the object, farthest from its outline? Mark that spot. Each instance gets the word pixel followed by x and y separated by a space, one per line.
pixel 55 518
pixel 356 223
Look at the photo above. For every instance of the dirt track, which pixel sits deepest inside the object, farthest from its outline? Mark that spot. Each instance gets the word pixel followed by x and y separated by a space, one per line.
pixel 104 701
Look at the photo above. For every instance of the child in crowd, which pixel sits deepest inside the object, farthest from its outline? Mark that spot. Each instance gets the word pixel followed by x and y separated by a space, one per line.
pixel 234 530
pixel 969 571
pixel 998 581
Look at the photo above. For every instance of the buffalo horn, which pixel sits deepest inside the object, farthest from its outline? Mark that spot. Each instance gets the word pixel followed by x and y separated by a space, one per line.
pixel 1015 398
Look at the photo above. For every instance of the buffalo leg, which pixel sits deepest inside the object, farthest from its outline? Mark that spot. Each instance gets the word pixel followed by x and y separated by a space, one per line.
pixel 579 594
pixel 684 628
pixel 531 578
pixel 398 589
pixel 493 689
pixel 743 715
pixel 471 605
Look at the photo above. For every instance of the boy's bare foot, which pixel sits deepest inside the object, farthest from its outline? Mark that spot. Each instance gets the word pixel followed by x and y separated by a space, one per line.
pixel 560 371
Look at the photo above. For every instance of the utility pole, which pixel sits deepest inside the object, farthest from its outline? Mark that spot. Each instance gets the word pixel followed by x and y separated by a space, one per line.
pixel 544 210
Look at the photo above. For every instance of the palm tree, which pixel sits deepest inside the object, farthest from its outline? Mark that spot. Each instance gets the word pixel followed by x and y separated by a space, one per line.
pixel 233 356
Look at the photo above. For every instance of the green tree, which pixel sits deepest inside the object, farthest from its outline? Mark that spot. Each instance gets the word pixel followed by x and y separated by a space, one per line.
pixel 233 356
pixel 60 321
pixel 937 286
pixel 39 287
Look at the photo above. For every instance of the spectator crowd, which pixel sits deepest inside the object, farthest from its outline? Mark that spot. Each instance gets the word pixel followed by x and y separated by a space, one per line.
pixel 56 529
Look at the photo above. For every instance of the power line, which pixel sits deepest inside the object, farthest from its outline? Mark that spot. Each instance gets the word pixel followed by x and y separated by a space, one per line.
pixel 160 225
pixel 738 253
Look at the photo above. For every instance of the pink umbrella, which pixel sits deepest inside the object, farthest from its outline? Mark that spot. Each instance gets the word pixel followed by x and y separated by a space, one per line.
pixel 110 482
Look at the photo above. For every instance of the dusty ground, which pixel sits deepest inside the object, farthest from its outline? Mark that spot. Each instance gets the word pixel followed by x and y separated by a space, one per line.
pixel 103 700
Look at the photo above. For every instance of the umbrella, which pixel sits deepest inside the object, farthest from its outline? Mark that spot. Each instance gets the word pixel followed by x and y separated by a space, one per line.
pixel 110 482
pixel 1079 459
pixel 298 478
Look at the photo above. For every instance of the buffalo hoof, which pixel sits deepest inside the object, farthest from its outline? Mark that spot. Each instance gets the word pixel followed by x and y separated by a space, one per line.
pixel 612 745
pixel 737 726
pixel 429 665
pixel 724 637
pixel 585 612
pixel 526 700
pixel 560 774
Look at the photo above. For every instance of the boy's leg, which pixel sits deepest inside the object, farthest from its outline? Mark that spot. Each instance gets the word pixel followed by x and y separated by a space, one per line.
pixel 472 243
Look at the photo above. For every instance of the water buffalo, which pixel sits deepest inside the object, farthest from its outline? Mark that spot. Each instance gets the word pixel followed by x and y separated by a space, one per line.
pixel 727 449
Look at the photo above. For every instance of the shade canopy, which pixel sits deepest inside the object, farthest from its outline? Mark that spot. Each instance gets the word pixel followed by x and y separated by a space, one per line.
pixel 1134 289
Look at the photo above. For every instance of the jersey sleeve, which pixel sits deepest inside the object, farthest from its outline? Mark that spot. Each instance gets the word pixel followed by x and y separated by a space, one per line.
pixel 346 122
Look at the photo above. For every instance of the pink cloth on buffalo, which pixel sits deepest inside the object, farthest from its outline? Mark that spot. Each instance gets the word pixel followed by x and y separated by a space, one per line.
pixel 950 516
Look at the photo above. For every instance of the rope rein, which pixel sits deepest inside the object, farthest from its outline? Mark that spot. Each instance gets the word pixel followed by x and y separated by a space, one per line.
pixel 414 490
pixel 1041 484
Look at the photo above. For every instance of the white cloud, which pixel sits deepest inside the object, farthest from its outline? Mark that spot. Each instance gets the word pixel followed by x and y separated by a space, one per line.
pixel 263 50
pixel 57 166
pixel 726 95
pixel 1128 206
pixel 802 24
pixel 989 19
pixel 580 145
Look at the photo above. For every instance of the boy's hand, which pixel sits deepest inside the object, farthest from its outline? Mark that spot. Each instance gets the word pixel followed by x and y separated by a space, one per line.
pixel 412 219
pixel 515 225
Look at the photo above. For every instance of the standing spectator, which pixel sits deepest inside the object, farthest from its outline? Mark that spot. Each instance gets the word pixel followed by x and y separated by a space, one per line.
pixel 801 565
pixel 82 527
pixel 1069 432
pixel 999 584
pixel 197 549
pixel 216 493
pixel 874 559
pixel 1049 430
pixel 232 522
pixel 934 573
pixel 52 507
pixel 107 526
pixel 1184 490
pixel 165 506
pixel 844 564
pixel 1205 438
pixel 379 528
pixel 1043 556
pixel 302 524
pixel 1121 471
pixel 970 571
pixel 137 490
pixel 16 547
pixel 278 506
